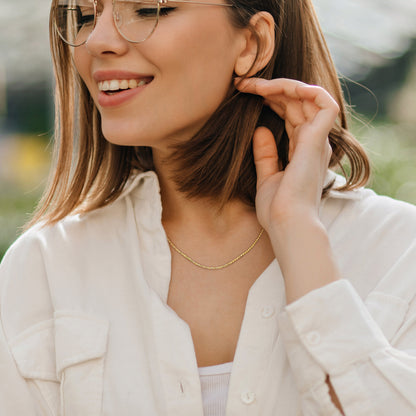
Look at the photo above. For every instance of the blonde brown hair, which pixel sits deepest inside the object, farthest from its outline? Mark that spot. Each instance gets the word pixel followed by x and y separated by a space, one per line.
pixel 217 162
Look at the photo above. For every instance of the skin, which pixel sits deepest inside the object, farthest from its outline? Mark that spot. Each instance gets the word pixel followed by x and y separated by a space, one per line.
pixel 287 202
pixel 188 56
pixel 191 77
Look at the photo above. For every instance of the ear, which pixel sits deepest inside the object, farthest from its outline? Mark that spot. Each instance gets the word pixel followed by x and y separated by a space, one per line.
pixel 262 24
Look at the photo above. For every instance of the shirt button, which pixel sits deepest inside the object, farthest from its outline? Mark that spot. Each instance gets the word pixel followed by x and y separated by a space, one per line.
pixel 248 397
pixel 267 311
pixel 313 338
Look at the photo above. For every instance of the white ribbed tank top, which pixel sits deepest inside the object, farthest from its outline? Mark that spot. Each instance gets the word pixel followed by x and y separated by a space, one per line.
pixel 215 380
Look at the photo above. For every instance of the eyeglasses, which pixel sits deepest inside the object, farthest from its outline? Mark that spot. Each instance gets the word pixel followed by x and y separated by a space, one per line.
pixel 75 20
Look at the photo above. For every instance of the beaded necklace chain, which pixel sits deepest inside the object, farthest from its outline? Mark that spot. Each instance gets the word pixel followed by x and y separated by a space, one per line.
pixel 223 266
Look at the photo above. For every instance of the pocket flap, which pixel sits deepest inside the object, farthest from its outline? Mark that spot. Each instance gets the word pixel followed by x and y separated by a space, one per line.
pixel 78 338
pixel 34 351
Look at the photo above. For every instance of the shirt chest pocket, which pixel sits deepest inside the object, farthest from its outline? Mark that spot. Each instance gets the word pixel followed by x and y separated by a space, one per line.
pixel 81 344
pixel 65 361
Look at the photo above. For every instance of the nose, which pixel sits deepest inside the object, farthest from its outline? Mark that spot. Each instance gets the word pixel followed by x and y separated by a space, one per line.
pixel 105 38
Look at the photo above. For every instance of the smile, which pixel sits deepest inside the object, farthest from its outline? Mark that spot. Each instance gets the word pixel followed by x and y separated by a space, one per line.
pixel 116 92
pixel 115 85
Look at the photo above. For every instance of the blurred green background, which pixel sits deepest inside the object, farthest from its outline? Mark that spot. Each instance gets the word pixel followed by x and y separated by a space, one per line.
pixel 381 88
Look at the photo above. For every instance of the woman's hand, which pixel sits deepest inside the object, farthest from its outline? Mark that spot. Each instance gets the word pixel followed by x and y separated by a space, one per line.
pixel 287 202
pixel 309 113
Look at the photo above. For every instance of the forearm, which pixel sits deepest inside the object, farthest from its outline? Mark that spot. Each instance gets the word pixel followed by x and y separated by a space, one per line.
pixel 302 248
pixel 331 337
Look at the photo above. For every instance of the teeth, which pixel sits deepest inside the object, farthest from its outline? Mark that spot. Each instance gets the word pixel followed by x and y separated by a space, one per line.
pixel 132 83
pixel 124 84
pixel 114 85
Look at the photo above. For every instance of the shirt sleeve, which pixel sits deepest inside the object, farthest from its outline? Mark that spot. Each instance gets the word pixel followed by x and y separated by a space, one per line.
pixel 15 396
pixel 330 332
pixel 24 390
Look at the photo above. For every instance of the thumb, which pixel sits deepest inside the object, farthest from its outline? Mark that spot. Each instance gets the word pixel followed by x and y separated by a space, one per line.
pixel 265 154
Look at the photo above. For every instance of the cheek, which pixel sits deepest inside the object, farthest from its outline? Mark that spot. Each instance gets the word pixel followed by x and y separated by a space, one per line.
pixel 82 64
pixel 199 71
pixel 79 59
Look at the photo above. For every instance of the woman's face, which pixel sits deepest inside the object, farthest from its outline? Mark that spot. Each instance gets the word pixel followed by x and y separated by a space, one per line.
pixel 183 72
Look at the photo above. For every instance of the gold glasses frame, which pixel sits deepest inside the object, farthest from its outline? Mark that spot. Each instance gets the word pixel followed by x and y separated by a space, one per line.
pixel 160 4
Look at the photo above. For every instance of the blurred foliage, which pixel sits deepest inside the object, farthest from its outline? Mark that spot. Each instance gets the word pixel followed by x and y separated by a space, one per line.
pixel 29 113
pixel 392 151
pixel 24 164
pixel 15 208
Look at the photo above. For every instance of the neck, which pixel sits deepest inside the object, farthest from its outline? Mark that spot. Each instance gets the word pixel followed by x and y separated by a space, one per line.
pixel 208 234
pixel 203 215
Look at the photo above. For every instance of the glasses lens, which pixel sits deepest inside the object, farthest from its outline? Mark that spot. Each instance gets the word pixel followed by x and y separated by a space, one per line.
pixel 136 20
pixel 74 20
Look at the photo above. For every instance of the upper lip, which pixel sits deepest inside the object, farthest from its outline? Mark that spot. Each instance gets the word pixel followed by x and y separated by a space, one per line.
pixel 105 75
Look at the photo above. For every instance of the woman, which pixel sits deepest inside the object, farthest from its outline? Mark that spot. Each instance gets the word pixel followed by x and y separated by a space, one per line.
pixel 112 305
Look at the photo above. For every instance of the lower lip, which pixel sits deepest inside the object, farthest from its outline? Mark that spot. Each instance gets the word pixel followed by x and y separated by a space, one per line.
pixel 114 100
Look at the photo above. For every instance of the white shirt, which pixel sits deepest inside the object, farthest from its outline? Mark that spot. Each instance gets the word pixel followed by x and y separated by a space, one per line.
pixel 86 330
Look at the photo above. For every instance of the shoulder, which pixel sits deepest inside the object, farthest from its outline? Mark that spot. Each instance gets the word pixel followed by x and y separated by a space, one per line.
pixel 23 286
pixel 44 262
pixel 47 259
pixel 364 213
pixel 374 241
pixel 85 231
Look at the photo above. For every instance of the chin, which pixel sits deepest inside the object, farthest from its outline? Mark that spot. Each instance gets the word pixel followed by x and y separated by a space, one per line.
pixel 123 135
pixel 122 140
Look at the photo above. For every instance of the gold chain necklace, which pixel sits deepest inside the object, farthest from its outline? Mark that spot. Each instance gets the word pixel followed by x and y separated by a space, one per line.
pixel 223 266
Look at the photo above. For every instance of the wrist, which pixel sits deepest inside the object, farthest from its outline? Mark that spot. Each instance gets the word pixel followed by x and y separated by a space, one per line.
pixel 295 224
pixel 303 250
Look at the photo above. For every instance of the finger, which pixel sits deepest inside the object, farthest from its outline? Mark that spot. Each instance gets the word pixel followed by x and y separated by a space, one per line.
pixel 265 154
pixel 318 95
pixel 282 96
pixel 328 108
pixel 248 85
pixel 290 111
pixel 309 109
pixel 303 102
pixel 271 89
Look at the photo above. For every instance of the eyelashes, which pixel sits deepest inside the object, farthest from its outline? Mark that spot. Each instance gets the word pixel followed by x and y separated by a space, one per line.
pixel 152 11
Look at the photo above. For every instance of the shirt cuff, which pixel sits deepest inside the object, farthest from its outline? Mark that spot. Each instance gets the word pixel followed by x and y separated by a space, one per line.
pixel 329 328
